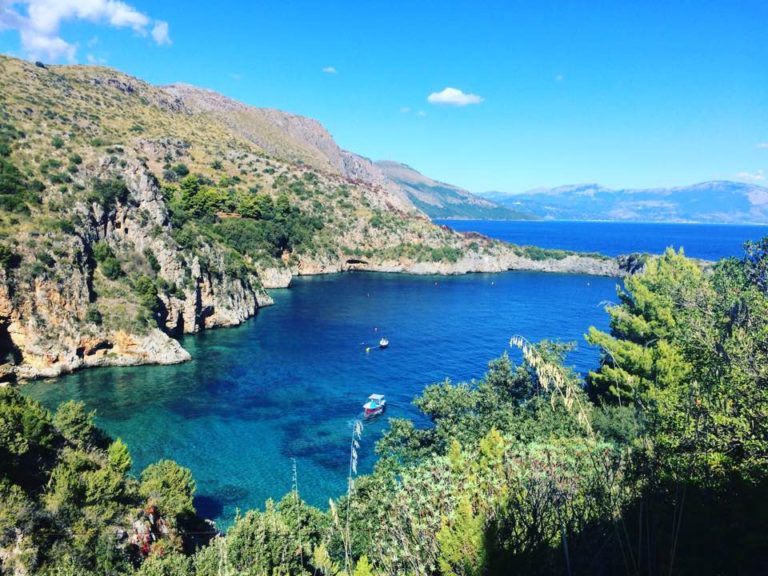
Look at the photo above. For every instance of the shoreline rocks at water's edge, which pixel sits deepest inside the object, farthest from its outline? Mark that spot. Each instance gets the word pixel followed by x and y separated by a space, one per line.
pixel 159 347
pixel 47 322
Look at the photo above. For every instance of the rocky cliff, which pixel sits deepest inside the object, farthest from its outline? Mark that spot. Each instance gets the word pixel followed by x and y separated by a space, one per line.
pixel 49 316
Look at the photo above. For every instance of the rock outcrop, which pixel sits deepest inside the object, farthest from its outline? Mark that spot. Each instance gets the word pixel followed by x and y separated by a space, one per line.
pixel 503 259
pixel 44 314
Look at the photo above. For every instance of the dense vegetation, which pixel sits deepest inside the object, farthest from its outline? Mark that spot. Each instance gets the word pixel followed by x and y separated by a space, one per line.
pixel 67 501
pixel 658 465
pixel 250 222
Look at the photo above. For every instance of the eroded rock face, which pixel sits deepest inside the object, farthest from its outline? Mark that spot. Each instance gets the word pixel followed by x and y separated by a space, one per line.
pixel 275 277
pixel 45 324
pixel 118 349
pixel 503 259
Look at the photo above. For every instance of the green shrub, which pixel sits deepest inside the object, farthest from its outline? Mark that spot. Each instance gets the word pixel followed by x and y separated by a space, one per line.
pixel 256 206
pixel 262 543
pixel 14 205
pixel 102 251
pixel 59 178
pixel 152 260
pixel 74 423
pixel 11 178
pixel 110 267
pixel 25 430
pixel 46 259
pixel 66 226
pixel 538 254
pixel 170 487
pixel 108 193
pixel 57 142
pixel 180 169
pixel 119 457
pixel 147 292
pixel 8 258
pixel 170 563
pixel 93 316
pixel 198 198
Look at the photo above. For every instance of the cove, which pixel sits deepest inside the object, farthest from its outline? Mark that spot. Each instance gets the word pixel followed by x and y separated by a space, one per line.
pixel 288 383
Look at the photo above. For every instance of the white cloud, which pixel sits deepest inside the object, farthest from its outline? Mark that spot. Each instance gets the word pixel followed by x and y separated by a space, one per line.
pixel 559 78
pixel 758 176
pixel 160 33
pixel 763 145
pixel 330 70
pixel 95 60
pixel 38 23
pixel 42 46
pixel 236 76
pixel 421 113
pixel 453 97
pixel 405 109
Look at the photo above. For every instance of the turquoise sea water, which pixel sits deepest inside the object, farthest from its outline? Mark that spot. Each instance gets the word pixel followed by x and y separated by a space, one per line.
pixel 288 383
pixel 706 241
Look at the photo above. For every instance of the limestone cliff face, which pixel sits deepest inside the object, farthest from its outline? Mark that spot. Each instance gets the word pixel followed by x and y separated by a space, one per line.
pixel 46 317
pixel 44 313
pixel 500 258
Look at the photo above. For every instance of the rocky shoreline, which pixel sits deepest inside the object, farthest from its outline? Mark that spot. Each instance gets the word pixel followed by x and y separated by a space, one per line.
pixel 159 347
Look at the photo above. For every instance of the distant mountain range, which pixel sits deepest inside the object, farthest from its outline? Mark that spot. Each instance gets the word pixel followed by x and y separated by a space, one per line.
pixel 708 202
pixel 441 200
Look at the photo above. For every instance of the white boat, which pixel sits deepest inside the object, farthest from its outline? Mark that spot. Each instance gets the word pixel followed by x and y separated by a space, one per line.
pixel 375 405
pixel 383 343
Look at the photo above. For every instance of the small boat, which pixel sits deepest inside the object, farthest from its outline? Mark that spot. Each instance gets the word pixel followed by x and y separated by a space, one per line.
pixel 383 343
pixel 375 405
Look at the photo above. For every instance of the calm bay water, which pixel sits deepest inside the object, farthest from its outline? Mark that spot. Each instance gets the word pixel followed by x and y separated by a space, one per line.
pixel 288 383
pixel 706 241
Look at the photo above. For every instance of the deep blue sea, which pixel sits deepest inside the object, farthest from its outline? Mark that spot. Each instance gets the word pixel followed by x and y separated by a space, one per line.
pixel 288 383
pixel 706 241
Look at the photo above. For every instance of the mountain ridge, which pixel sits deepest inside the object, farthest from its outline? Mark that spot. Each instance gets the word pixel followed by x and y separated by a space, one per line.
pixel 441 200
pixel 712 202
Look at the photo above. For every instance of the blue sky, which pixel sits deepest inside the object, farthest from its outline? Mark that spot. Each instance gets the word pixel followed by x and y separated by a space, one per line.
pixel 627 94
